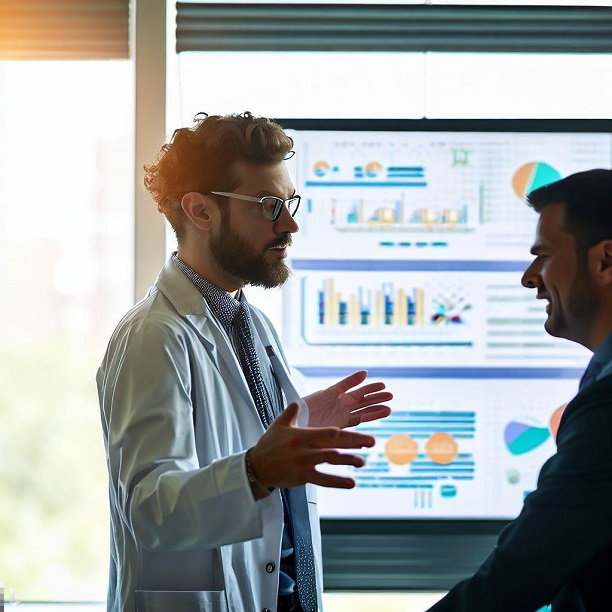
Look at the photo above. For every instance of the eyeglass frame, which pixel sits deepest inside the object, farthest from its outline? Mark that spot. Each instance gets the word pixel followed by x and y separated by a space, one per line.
pixel 277 209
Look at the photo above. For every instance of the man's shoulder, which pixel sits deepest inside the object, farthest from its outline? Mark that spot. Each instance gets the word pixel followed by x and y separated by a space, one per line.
pixel 590 411
pixel 596 393
pixel 153 311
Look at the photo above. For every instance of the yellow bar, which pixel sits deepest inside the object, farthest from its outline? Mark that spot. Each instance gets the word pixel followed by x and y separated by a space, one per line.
pixel 420 307
pixel 401 310
pixel 379 308
pixel 353 310
pixel 329 302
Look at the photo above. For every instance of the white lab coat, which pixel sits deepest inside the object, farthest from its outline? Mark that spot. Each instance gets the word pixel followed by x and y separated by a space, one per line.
pixel 177 414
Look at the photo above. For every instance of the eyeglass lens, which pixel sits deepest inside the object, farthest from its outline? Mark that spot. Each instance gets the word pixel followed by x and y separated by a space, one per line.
pixel 273 206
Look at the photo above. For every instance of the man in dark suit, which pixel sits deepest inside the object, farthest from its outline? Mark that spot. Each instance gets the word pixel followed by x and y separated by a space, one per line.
pixel 559 549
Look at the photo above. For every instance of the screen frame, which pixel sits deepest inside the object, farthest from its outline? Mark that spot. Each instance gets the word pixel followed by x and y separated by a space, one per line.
pixel 602 125
pixel 455 547
pixel 501 125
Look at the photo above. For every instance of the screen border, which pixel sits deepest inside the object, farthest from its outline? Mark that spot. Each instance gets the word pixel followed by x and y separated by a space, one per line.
pixel 603 126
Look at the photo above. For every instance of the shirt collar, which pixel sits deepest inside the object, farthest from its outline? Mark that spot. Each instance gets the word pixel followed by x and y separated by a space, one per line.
pixel 222 304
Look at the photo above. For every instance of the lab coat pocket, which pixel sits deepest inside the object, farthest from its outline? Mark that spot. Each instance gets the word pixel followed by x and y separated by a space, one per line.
pixel 181 601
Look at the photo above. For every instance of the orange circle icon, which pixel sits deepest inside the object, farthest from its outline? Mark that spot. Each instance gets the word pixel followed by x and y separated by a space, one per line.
pixel 401 449
pixel 441 448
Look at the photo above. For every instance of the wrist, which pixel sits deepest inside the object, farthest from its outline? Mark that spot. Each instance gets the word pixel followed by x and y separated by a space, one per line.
pixel 256 484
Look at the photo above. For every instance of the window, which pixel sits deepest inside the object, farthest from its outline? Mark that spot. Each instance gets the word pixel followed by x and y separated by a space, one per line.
pixel 66 267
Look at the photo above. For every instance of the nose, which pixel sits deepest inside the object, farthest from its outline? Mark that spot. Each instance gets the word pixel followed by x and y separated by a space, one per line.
pixel 530 278
pixel 285 222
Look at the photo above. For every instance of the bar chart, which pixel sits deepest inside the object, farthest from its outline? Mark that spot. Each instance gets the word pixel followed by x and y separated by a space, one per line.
pixel 363 309
pixel 399 214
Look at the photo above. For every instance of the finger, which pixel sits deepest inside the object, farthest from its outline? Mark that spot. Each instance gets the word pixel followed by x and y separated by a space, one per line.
pixel 331 456
pixel 369 388
pixel 288 417
pixel 345 439
pixel 354 379
pixel 330 481
pixel 372 413
pixel 331 437
pixel 376 398
pixel 336 458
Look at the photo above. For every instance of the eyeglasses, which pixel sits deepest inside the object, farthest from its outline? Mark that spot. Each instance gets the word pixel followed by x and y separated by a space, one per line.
pixel 271 205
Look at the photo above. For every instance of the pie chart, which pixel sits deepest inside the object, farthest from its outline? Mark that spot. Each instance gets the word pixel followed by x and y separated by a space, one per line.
pixel 373 169
pixel 321 168
pixel 523 434
pixel 532 175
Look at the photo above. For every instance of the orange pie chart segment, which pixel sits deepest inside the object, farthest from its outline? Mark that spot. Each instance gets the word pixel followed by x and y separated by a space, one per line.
pixel 441 448
pixel 555 419
pixel 401 449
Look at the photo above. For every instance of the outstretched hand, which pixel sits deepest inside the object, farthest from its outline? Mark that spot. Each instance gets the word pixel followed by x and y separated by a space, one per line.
pixel 287 456
pixel 341 405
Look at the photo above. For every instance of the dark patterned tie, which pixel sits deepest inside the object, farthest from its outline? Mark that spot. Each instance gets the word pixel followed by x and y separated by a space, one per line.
pixel 295 497
pixel 247 355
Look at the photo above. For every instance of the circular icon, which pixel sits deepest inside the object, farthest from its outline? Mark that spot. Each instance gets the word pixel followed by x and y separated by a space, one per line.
pixel 321 168
pixel 441 448
pixel 401 449
pixel 513 476
pixel 373 169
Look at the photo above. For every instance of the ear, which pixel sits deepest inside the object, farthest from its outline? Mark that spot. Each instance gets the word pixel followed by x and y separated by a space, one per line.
pixel 199 209
pixel 602 254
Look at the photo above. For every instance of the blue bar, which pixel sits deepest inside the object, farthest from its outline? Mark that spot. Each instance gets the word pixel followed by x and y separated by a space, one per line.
pixel 410 168
pixel 393 265
pixel 452 373
pixel 366 184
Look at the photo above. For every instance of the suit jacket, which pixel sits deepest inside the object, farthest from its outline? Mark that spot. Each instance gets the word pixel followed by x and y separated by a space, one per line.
pixel 177 415
pixel 559 549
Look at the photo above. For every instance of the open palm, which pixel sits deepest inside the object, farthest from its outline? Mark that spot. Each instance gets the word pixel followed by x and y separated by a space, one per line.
pixel 346 405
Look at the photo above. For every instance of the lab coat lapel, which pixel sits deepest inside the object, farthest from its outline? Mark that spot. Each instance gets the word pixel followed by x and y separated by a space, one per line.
pixel 190 304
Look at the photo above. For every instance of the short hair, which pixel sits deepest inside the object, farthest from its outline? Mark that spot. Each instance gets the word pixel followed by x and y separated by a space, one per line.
pixel 200 158
pixel 587 199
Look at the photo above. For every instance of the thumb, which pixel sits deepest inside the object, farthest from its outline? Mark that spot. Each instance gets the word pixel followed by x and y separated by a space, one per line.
pixel 288 416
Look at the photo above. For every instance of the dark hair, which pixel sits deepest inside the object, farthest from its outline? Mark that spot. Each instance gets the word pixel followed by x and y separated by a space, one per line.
pixel 200 158
pixel 587 199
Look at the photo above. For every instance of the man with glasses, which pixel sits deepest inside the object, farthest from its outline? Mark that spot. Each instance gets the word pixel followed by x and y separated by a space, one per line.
pixel 211 452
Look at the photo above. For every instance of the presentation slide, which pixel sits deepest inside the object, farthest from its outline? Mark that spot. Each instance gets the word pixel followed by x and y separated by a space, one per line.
pixel 408 263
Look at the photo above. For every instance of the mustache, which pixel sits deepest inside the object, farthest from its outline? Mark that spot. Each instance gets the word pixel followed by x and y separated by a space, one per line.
pixel 284 240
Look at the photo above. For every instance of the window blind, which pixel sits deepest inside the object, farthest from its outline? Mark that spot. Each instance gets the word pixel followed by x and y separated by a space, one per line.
pixel 359 27
pixel 64 29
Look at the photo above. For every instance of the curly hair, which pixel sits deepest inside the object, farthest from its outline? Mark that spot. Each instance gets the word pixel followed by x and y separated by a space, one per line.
pixel 200 158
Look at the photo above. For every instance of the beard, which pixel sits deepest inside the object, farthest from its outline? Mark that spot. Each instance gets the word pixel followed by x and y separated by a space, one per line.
pixel 235 257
